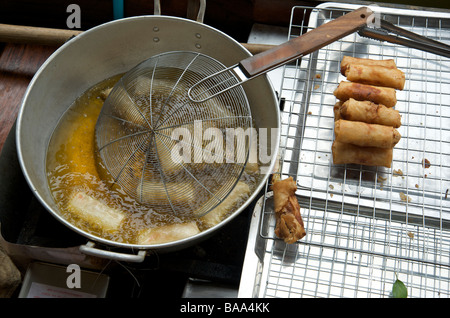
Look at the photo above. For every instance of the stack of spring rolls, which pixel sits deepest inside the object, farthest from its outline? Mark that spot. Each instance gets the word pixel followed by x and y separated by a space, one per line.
pixel 365 120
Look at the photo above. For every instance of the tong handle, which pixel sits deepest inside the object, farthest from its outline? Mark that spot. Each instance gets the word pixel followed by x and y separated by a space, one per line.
pixel 306 43
pixel 411 35
pixel 418 42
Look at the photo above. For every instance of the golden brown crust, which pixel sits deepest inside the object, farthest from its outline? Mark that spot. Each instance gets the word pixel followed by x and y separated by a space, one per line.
pixel 370 156
pixel 337 110
pixel 365 135
pixel 369 112
pixel 376 75
pixel 348 60
pixel 289 222
pixel 365 121
pixel 379 95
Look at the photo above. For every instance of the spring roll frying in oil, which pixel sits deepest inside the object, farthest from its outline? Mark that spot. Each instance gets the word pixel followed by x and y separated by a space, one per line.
pixel 95 212
pixel 240 192
pixel 167 233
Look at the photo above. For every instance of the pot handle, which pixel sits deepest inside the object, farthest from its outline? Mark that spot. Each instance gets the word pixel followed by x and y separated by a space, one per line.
pixel 90 249
pixel 195 8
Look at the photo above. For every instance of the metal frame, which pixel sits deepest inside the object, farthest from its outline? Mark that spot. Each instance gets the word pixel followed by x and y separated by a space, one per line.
pixel 365 226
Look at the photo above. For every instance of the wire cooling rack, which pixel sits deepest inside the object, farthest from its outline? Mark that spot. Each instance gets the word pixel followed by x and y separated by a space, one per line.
pixel 366 226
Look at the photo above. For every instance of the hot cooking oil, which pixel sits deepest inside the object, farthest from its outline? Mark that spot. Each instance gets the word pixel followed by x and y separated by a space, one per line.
pixel 83 194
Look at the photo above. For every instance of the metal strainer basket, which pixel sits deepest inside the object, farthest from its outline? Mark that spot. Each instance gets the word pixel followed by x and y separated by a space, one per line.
pixel 165 151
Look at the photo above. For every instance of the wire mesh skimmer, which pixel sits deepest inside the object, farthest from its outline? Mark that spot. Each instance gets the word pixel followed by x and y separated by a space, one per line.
pixel 163 150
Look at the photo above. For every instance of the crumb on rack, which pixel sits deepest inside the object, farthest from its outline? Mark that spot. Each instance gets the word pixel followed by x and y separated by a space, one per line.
pixel 426 163
pixel 404 197
pixel 381 179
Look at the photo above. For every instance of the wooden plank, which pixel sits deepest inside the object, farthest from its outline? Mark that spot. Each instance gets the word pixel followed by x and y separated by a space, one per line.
pixel 18 64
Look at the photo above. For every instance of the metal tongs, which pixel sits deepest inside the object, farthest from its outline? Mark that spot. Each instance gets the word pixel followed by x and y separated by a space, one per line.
pixel 403 37
pixel 355 21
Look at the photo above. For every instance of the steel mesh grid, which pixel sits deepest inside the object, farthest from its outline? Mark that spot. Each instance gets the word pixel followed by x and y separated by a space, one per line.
pixel 361 232
pixel 148 115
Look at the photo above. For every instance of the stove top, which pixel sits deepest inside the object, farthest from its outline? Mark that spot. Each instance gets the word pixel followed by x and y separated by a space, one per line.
pixel 214 265
pixel 25 222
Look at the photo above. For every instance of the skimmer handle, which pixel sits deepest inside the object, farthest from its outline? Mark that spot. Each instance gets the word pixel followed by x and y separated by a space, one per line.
pixel 306 43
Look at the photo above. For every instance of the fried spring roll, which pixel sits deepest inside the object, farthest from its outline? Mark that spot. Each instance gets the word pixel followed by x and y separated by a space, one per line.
pixel 370 156
pixel 289 222
pixel 376 75
pixel 337 110
pixel 365 135
pixel 379 95
pixel 370 113
pixel 347 60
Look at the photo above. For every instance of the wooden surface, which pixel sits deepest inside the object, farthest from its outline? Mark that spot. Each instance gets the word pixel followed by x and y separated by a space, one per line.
pixel 233 17
pixel 18 64
pixel 20 34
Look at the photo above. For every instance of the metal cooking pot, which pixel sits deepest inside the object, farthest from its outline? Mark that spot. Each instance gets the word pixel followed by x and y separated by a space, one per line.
pixel 100 53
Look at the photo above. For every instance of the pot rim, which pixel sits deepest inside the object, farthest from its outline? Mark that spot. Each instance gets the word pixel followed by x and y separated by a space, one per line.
pixel 204 234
